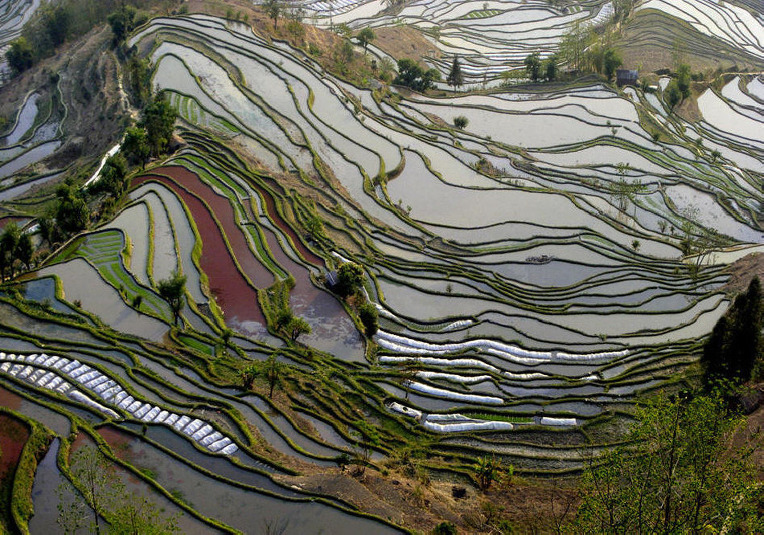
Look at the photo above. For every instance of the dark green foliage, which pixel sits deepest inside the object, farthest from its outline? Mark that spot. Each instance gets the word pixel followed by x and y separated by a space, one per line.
pixel 550 68
pixel 172 291
pixel 611 61
pixel 297 326
pixel 57 21
pixel 674 474
pixel 735 346
pixel 9 242
pixel 158 119
pixel 533 66
pixel 410 74
pixel 113 176
pixel 20 55
pixel 444 528
pixel 683 79
pixel 370 318
pixel 135 146
pixel 72 213
pixel 672 95
pixel 365 37
pixel 455 77
pixel 461 122
pixel 122 22
pixel 139 79
pixel 350 279
pixel 25 250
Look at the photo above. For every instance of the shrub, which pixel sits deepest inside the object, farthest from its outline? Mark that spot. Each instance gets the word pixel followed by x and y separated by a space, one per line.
pixel 369 318
pixel 461 122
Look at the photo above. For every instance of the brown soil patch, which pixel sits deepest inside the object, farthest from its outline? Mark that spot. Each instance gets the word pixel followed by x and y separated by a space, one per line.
pixel 743 271
pixel 405 42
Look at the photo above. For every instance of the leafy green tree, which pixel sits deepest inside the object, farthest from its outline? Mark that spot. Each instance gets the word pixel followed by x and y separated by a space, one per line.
pixel 136 146
pixel 550 68
pixel 444 528
pixel 533 66
pixel 25 250
pixel 350 278
pixel 113 176
pixel 369 318
pixel 611 61
pixel 122 22
pixel 137 515
pixel 674 474
pixel 461 122
pixel 272 370
pixel 249 374
pixel 96 483
pixel 172 291
pixel 365 36
pixel 735 346
pixel 72 213
pixel 367 438
pixel 455 77
pixel 274 9
pixel 410 74
pixel 139 79
pixel 683 79
pixel 158 118
pixel 20 55
pixel 486 471
pixel 57 21
pixel 296 327
pixel 9 242
pixel 573 46
pixel 672 95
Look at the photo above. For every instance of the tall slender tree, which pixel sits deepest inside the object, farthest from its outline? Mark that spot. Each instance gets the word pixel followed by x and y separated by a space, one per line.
pixel 455 77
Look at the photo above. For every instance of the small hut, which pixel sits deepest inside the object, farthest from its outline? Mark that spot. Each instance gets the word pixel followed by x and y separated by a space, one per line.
pixel 626 77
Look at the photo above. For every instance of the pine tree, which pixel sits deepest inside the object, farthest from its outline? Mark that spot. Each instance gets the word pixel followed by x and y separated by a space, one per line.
pixel 455 77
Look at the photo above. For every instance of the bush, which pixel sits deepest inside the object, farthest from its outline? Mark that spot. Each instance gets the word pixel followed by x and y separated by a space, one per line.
pixel 370 318
pixel 444 528
pixel 461 122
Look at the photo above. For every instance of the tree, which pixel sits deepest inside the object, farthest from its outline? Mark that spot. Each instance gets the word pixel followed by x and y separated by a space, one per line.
pixel 56 21
pixel 25 250
pixel 369 318
pixel 296 327
pixel 611 61
pixel 444 528
pixel 249 374
pixel 158 118
pixel 8 248
pixel 272 369
pixel 672 95
pixel 366 438
pixel 105 497
pixel 72 213
pixel 172 291
pixel 533 66
pixel 461 122
pixel 113 176
pixel 273 9
pixel 455 77
pixel 365 37
pixel 573 45
pixel 735 346
pixel 350 278
pixel 20 55
pixel 683 78
pixel 674 474
pixel 135 146
pixel 550 68
pixel 410 74
pixel 486 471
pixel 122 22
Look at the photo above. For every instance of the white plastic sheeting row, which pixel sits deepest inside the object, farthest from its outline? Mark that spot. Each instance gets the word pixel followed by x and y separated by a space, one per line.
pixel 403 344
pixel 48 372
pixel 456 396
pixel 450 423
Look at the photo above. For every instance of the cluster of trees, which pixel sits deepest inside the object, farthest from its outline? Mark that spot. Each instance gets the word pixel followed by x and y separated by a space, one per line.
pixel 537 69
pixel 581 51
pixel 678 88
pixel 411 74
pixel 270 370
pixel 16 250
pixel 54 24
pixel 734 351
pixel 107 506
pixel 350 279
pixel 675 473
pixel 152 135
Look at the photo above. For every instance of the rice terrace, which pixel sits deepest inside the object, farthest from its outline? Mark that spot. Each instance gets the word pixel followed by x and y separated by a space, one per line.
pixel 381 266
